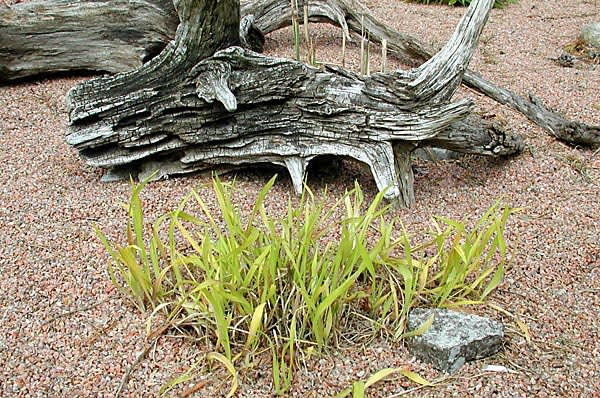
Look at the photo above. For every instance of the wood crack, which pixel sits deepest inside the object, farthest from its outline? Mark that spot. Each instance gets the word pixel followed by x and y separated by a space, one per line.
pixel 244 108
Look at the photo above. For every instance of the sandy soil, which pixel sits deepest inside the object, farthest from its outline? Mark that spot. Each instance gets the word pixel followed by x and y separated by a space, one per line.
pixel 66 332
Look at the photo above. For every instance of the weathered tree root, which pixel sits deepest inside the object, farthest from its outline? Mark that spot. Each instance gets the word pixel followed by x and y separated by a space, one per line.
pixel 121 35
pixel 563 129
pixel 195 106
pixel 44 37
pixel 352 16
pixel 91 29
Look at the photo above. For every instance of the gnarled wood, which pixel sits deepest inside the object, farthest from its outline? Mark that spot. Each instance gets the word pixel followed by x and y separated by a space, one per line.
pixel 204 102
pixel 467 136
pixel 43 37
pixel 96 40
pixel 569 131
pixel 64 35
pixel 89 36
pixel 351 15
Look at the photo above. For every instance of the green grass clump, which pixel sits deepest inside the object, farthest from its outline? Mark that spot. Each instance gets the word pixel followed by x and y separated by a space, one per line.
pixel 464 3
pixel 303 281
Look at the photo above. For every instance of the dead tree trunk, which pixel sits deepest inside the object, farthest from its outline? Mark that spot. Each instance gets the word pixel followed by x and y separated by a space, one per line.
pixel 102 35
pixel 120 35
pixel 205 101
pixel 127 33
pixel 352 16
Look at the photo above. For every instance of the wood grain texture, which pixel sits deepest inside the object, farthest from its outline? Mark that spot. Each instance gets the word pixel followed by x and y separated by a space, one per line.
pixel 63 35
pixel 206 102
pixel 119 35
pixel 352 16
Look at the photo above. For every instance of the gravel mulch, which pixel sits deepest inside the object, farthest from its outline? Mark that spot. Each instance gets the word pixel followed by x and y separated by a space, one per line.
pixel 66 332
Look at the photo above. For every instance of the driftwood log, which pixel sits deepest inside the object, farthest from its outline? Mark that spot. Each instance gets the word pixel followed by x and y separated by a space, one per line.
pixel 46 37
pixel 352 16
pixel 43 37
pixel 118 35
pixel 204 101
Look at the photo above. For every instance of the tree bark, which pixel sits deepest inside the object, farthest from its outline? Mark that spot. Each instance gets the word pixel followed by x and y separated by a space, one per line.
pixel 205 102
pixel 352 16
pixel 569 131
pixel 127 43
pixel 64 35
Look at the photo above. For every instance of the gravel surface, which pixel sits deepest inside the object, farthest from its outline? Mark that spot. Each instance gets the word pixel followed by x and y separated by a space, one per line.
pixel 66 332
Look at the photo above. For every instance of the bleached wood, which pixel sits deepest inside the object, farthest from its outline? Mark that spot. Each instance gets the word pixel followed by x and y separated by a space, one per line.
pixel 44 37
pixel 64 35
pixel 205 102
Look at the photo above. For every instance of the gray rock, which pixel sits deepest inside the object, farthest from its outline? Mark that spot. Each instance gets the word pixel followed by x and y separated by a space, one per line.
pixel 454 338
pixel 590 35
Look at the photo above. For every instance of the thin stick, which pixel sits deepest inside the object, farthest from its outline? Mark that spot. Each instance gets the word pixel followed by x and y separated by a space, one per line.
pixel 103 331
pixel 295 28
pixel 78 310
pixel 343 50
pixel 383 55
pixel 154 336
pixel 306 36
pixel 133 366
pixel 197 387
pixel 368 55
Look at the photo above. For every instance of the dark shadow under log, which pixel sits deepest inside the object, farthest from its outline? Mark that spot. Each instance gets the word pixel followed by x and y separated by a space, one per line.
pixel 204 103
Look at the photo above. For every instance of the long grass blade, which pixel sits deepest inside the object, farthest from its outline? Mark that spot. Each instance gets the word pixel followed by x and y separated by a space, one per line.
pixel 422 329
pixel 229 366
pixel 415 377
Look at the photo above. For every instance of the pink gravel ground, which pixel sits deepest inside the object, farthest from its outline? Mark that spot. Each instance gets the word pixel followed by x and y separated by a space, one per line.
pixel 65 332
